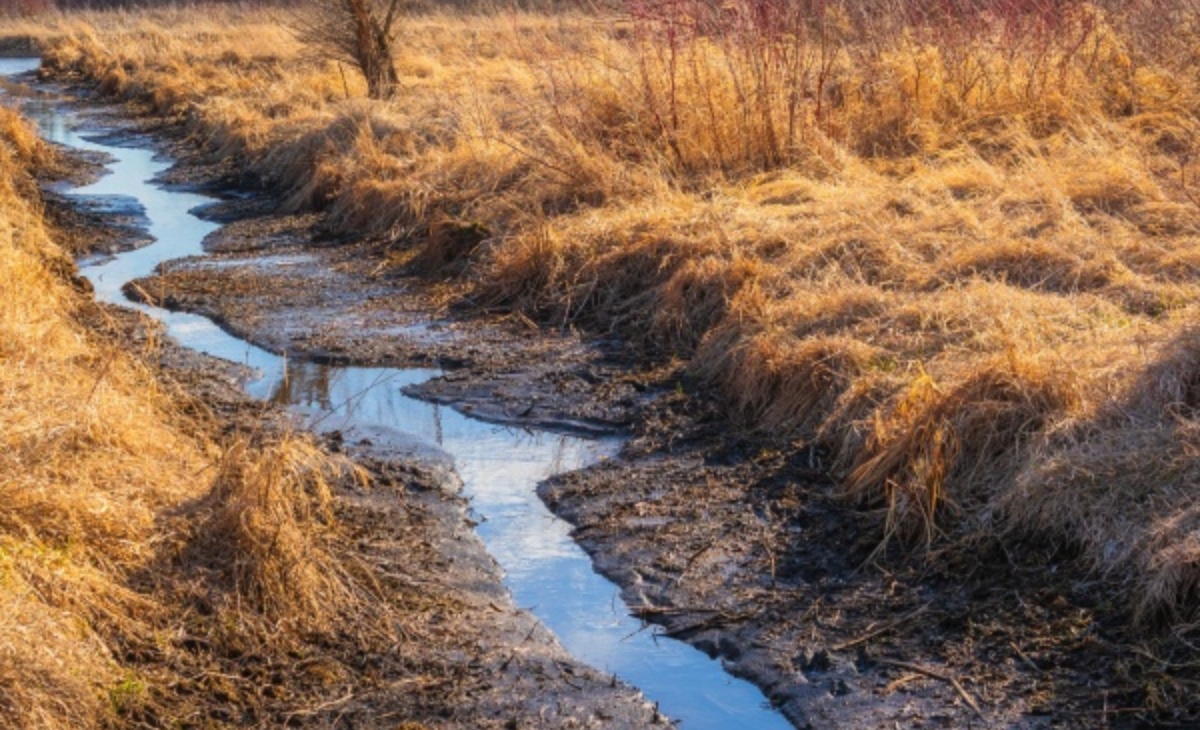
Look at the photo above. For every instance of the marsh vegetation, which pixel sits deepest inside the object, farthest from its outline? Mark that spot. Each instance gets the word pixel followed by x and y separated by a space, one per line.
pixel 954 247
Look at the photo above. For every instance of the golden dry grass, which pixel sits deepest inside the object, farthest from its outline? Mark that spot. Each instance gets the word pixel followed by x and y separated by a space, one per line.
pixel 955 261
pixel 87 461
pixel 269 515
pixel 96 464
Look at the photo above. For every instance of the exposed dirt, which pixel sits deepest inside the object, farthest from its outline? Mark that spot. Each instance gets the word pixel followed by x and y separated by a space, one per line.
pixel 735 547
pixel 733 543
pixel 91 226
pixel 466 656
pixel 744 551
pixel 271 280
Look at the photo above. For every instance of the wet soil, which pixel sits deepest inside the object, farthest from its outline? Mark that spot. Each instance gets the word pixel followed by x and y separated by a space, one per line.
pixel 272 280
pixel 737 548
pixel 733 542
pixel 746 551
pixel 97 226
pixel 461 655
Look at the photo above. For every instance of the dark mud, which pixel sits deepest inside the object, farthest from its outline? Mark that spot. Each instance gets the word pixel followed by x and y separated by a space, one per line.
pixel 466 656
pixel 736 547
pixel 89 227
pixel 746 552
pixel 270 279
pixel 736 544
pixel 98 226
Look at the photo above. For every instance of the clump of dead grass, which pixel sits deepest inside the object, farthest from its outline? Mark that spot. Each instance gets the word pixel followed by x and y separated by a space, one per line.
pixel 90 455
pixel 782 382
pixel 1122 484
pixel 937 449
pixel 49 667
pixel 270 519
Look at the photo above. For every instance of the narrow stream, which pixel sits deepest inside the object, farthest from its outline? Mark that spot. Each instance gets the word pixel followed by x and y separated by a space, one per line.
pixel 500 467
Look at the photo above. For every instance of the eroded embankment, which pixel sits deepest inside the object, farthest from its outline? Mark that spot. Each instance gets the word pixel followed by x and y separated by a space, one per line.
pixel 172 553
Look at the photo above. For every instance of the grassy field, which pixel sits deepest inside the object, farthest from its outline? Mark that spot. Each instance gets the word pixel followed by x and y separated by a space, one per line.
pixel 958 250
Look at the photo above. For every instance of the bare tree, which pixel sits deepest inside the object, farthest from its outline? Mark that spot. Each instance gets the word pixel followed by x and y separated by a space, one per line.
pixel 359 32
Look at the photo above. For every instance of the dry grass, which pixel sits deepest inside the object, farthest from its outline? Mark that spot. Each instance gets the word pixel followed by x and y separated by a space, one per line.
pixel 952 253
pixel 96 464
pixel 269 516
pixel 87 461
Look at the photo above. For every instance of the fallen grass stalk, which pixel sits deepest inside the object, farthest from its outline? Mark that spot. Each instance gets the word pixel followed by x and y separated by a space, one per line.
pixel 941 677
pixel 880 630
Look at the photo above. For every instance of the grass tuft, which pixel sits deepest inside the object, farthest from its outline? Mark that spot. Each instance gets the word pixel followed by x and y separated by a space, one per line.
pixel 270 518
pixel 101 473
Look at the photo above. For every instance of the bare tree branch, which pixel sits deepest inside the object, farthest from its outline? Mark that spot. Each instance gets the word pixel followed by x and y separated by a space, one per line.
pixel 357 32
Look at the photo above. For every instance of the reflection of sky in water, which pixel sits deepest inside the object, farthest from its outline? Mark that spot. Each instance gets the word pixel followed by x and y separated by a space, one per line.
pixel 500 467
pixel 13 66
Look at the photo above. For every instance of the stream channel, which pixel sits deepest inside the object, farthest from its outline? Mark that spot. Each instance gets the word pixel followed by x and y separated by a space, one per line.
pixel 500 467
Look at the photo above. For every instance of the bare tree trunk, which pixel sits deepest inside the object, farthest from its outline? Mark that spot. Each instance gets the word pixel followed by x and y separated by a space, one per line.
pixel 358 32
pixel 373 47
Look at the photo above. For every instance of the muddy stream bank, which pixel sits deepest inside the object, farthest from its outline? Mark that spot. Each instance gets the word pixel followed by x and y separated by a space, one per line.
pixel 368 407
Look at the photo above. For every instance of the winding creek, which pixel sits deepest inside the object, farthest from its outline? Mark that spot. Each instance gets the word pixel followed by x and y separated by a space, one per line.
pixel 500 467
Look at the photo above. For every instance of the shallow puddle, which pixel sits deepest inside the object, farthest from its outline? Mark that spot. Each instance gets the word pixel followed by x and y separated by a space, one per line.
pixel 500 467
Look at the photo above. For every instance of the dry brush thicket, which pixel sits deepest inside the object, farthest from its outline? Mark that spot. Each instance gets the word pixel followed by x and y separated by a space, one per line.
pixel 959 249
pixel 120 519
